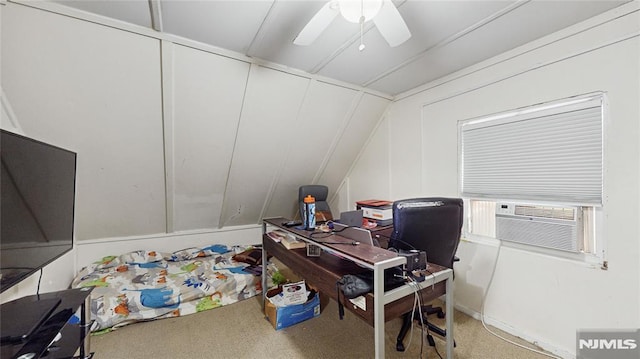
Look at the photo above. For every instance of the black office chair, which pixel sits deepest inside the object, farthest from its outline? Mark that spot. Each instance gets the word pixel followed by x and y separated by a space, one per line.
pixel 320 193
pixel 432 225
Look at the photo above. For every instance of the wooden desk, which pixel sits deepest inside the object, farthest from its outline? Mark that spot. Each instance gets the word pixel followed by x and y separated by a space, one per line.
pixel 382 234
pixel 380 306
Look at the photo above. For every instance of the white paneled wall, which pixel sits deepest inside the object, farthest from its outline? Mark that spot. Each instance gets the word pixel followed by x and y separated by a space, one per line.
pixel 203 97
pixel 372 168
pixel 175 136
pixel 94 90
pixel 357 132
pixel 322 119
pixel 540 298
pixel 272 103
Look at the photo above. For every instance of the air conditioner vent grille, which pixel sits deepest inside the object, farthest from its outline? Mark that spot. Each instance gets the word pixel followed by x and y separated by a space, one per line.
pixel 546 212
pixel 538 233
pixel 546 226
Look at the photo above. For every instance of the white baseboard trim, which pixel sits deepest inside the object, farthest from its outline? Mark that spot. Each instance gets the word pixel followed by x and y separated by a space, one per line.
pixel 536 342
pixel 88 251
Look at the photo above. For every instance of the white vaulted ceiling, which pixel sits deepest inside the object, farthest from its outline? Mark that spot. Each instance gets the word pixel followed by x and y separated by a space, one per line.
pixel 447 35
pixel 191 115
pixel 171 137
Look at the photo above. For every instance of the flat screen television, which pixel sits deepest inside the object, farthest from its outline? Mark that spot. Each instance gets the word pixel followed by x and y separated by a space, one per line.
pixel 37 202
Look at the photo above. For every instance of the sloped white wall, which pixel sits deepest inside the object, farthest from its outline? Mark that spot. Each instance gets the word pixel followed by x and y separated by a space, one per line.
pixel 203 102
pixel 540 298
pixel 96 91
pixel 175 136
pixel 175 139
pixel 312 140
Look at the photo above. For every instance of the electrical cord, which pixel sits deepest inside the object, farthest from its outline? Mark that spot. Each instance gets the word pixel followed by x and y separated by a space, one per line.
pixel 436 349
pixel 433 283
pixel 316 236
pixel 422 326
pixel 484 297
pixel 392 240
pixel 38 289
pixel 352 243
pixel 422 320
pixel 416 301
pixel 326 233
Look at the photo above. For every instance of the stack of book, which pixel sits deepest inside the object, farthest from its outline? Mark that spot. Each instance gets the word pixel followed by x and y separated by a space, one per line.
pixel 376 210
pixel 287 239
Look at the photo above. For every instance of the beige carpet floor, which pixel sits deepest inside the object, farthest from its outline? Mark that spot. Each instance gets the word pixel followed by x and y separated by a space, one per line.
pixel 240 330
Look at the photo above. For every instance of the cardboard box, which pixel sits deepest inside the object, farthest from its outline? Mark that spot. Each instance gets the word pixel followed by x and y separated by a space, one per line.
pixel 284 317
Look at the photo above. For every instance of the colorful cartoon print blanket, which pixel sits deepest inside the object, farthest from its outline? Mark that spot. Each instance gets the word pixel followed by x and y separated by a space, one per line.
pixel 146 285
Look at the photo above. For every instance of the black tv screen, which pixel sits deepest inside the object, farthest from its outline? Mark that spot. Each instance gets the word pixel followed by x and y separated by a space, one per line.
pixel 37 201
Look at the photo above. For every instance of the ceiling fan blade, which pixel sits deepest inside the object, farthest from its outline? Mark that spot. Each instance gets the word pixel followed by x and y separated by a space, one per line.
pixel 391 25
pixel 318 23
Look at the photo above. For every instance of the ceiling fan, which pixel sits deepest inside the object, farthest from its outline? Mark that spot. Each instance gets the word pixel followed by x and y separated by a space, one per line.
pixel 383 13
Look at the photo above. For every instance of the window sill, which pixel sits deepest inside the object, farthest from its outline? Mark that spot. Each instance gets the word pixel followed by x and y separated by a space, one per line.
pixel 587 260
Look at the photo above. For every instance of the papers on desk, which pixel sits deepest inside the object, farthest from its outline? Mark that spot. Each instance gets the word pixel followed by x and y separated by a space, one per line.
pixel 292 293
pixel 277 235
pixel 360 302
pixel 287 239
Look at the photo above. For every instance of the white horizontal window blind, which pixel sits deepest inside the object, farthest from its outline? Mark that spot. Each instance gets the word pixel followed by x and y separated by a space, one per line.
pixel 549 152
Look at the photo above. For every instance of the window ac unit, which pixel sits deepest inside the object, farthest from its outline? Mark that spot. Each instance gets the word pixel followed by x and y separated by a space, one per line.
pixel 542 226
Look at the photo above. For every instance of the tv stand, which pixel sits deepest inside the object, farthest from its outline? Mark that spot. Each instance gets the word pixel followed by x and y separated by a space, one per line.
pixel 73 338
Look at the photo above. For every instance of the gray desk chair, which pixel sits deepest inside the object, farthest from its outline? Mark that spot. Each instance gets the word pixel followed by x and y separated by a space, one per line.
pixel 432 225
pixel 320 193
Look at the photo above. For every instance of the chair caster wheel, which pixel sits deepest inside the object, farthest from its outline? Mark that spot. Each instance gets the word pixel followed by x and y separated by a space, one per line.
pixel 399 346
pixel 440 315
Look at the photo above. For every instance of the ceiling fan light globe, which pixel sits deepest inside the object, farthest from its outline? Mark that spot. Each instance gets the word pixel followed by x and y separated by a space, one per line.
pixel 352 10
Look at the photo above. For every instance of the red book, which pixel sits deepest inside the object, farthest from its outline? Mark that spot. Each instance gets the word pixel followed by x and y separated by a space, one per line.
pixel 373 203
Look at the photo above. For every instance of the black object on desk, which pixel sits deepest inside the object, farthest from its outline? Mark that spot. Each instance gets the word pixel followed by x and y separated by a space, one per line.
pixel 37 344
pixel 19 319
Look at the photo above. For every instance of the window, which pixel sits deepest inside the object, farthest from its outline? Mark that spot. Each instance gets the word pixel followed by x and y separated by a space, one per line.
pixel 534 176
